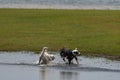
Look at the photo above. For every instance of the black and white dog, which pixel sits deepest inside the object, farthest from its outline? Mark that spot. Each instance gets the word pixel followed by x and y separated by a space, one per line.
pixel 69 55
pixel 45 58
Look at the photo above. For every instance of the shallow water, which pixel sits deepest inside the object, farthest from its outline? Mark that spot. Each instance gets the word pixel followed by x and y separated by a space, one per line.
pixel 22 66
pixel 61 4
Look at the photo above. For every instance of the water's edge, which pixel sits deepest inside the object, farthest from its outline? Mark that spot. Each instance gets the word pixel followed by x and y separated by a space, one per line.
pixel 22 58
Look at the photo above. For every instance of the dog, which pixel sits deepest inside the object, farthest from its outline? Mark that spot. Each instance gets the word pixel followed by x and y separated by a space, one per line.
pixel 45 58
pixel 69 55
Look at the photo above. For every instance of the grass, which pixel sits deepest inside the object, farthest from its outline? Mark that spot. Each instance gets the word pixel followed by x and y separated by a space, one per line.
pixel 91 31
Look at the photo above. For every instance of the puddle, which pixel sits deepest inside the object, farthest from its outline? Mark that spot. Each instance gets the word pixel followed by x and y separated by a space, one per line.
pixel 22 66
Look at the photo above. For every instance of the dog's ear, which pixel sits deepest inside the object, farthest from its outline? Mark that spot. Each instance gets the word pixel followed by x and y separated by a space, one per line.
pixel 45 47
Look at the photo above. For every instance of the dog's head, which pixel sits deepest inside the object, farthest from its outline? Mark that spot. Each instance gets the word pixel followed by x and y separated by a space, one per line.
pixel 76 52
pixel 45 49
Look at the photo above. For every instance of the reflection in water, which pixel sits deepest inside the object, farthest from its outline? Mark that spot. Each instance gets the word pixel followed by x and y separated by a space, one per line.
pixel 68 75
pixel 43 74
pixel 48 74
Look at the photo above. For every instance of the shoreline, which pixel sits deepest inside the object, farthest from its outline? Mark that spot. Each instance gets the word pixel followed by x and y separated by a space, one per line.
pixel 50 6
pixel 107 56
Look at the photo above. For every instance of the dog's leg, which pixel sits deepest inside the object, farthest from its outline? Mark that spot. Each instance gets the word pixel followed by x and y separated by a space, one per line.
pixel 64 59
pixel 40 60
pixel 76 60
pixel 69 61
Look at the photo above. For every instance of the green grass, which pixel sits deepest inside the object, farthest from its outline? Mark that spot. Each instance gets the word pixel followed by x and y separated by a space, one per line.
pixel 91 31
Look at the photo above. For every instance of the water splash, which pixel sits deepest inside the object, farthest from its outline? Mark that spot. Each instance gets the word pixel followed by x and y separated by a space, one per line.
pixel 86 63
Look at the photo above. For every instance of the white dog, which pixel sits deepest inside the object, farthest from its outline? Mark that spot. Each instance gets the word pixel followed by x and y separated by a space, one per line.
pixel 45 58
